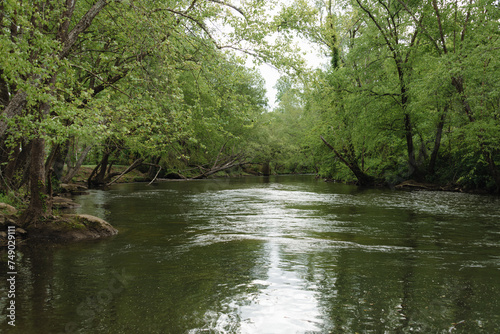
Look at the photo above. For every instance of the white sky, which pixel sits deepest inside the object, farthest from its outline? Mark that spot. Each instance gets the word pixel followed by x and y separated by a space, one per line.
pixel 271 74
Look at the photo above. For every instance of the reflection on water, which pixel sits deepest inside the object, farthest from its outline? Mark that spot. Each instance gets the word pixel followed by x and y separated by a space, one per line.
pixel 276 255
pixel 283 303
pixel 286 303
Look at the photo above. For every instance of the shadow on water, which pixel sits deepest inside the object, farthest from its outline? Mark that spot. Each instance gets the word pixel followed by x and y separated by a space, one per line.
pixel 286 254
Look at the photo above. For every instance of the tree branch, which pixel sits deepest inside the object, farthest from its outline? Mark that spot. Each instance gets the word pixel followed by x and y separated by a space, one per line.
pixel 420 25
pixel 130 168
pixel 466 22
pixel 438 16
pixel 379 27
pixel 231 6
pixel 81 26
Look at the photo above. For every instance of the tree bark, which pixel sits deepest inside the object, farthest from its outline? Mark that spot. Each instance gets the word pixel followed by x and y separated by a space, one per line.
pixel 59 160
pixel 97 176
pixel 40 204
pixel 266 169
pixel 413 171
pixel 437 142
pixel 14 108
pixel 152 172
pixel 49 163
pixel 363 178
pixel 493 168
pixel 74 169
pixel 4 90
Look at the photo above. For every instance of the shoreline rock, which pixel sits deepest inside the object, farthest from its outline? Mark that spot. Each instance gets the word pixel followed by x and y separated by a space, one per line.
pixel 63 203
pixel 71 227
pixel 7 209
pixel 63 228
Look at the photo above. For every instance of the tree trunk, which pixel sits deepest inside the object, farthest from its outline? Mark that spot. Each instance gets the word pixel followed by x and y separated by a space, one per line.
pixel 152 172
pixel 14 108
pixel 363 178
pixel 4 90
pixel 40 204
pixel 97 176
pixel 10 158
pixel 266 169
pixel 104 167
pixel 59 160
pixel 49 163
pixel 74 169
pixel 413 171
pixel 493 168
pixel 437 142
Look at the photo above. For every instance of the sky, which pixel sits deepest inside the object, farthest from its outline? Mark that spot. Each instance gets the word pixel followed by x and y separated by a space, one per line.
pixel 271 74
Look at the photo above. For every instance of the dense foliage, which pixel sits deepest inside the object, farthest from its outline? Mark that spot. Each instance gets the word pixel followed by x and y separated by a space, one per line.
pixel 412 90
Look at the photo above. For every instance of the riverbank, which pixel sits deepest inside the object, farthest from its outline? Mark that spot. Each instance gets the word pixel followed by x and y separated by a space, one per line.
pixel 60 227
pixel 63 227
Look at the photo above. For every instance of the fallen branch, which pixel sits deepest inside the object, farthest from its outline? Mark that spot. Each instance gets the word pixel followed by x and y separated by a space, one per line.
pixel 130 168
pixel 154 178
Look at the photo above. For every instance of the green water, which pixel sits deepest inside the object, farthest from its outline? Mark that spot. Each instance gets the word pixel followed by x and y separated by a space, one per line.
pixel 284 254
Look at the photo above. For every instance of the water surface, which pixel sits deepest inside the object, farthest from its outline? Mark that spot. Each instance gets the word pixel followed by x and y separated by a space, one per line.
pixel 286 254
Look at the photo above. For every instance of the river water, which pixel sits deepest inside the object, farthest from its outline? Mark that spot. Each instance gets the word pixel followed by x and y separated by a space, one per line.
pixel 288 254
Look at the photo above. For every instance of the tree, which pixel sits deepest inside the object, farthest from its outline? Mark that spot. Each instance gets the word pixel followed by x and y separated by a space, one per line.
pixel 112 72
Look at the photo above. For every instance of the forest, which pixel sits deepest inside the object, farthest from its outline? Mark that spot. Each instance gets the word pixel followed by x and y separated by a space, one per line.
pixel 411 92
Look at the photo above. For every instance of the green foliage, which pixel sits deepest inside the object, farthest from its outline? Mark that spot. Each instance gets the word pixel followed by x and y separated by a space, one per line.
pixel 413 89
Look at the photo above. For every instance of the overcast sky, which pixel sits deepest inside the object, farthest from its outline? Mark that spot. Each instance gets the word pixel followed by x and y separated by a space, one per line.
pixel 271 75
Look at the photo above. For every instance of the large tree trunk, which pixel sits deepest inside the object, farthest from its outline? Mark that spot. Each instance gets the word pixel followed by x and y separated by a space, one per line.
pixel 266 168
pixel 59 160
pixel 413 171
pixel 55 151
pixel 40 203
pixel 9 159
pixel 16 171
pixel 4 90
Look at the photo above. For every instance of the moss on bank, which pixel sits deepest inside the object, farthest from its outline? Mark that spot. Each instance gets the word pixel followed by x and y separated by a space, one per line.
pixel 62 228
pixel 70 227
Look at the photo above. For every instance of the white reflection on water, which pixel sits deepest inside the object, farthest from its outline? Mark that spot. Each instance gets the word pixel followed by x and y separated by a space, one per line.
pixel 279 301
pixel 284 303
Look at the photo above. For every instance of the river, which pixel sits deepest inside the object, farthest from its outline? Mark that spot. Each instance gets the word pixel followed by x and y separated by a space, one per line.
pixel 286 254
